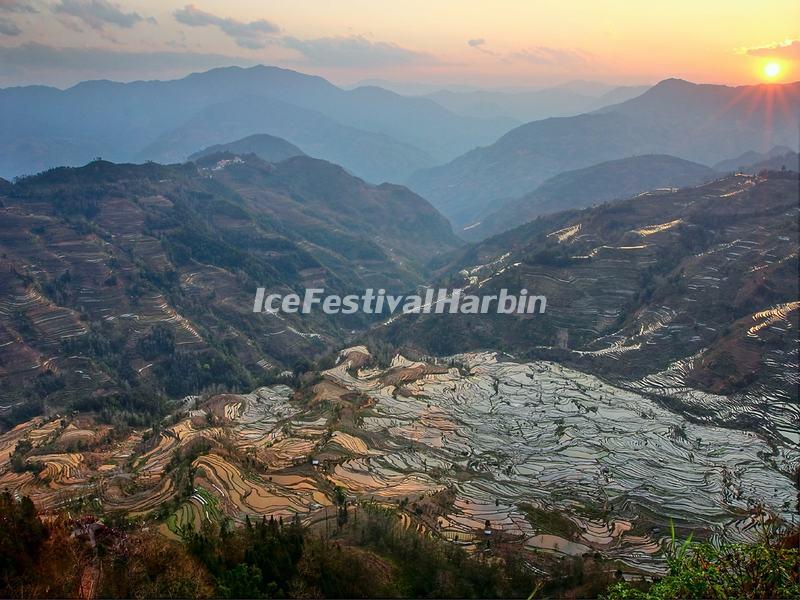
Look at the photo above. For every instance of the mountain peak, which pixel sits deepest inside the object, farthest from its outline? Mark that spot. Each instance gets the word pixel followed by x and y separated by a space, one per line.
pixel 674 82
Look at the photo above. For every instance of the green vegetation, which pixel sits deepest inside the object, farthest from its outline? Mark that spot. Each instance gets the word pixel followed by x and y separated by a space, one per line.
pixel 767 569
pixel 550 521
pixel 370 555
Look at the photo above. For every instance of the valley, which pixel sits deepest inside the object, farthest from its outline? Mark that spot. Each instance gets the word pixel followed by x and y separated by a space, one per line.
pixel 167 429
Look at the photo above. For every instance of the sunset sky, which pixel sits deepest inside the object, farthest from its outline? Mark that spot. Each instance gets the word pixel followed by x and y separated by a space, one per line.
pixel 450 42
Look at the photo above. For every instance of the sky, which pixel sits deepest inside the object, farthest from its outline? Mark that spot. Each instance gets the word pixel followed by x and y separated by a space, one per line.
pixel 487 43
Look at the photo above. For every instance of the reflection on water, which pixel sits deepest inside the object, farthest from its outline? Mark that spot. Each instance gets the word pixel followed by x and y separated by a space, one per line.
pixel 619 464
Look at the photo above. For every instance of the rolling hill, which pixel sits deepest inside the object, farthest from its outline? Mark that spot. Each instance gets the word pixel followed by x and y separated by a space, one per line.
pixel 752 162
pixel 731 165
pixel 789 161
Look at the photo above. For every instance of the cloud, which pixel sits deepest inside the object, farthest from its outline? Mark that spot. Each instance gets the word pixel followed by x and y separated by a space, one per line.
pixel 9 28
pixel 544 55
pixel 35 63
pixel 355 51
pixel 539 55
pixel 788 49
pixel 97 14
pixel 479 44
pixel 252 35
pixel 17 6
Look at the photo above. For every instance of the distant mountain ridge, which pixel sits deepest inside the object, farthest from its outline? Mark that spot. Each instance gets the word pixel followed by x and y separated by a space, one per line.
pixel 46 127
pixel 701 123
pixel 374 157
pixel 526 106
pixel 750 158
pixel 590 186
pixel 789 161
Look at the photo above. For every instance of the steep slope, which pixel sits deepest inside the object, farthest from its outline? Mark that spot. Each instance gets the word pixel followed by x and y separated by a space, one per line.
pixel 46 127
pixel 373 156
pixel 120 283
pixel 264 146
pixel 701 123
pixel 593 185
pixel 704 276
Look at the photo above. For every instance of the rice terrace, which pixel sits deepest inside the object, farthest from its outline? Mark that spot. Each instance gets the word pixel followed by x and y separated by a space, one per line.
pixel 456 299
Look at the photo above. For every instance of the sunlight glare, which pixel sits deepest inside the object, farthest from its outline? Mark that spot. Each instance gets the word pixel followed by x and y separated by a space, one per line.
pixel 772 70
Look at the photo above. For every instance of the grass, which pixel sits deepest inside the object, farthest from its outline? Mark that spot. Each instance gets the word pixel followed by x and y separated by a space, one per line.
pixel 769 568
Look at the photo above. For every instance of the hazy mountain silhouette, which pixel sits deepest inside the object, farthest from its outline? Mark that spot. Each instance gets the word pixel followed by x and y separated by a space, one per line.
pixel 532 105
pixel 264 146
pixel 702 123
pixel 46 127
pixel 593 185
pixel 373 156
pixel 746 159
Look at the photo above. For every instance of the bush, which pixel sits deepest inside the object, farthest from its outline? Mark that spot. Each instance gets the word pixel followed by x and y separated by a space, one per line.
pixel 768 569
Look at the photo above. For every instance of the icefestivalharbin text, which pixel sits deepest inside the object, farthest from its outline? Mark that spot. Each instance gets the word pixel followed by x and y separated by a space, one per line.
pixel 439 301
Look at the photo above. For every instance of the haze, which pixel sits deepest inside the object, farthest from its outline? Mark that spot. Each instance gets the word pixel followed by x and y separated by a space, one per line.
pixel 452 42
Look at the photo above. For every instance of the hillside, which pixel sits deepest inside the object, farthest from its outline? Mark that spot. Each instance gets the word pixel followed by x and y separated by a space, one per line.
pixel 264 146
pixel 121 285
pixel 666 292
pixel 590 186
pixel 46 127
pixel 674 117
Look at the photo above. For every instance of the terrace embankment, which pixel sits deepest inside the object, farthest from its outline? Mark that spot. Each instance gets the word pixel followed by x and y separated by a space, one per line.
pixel 472 449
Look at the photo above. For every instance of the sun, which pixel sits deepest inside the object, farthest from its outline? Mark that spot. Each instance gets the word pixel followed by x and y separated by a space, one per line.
pixel 772 70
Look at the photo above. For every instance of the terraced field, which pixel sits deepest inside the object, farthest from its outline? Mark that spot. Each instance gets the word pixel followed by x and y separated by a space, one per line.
pixel 704 275
pixel 534 455
pixel 201 506
pixel 618 464
pixel 97 261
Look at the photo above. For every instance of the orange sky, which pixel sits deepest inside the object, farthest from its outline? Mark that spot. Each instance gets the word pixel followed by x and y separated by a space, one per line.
pixel 497 42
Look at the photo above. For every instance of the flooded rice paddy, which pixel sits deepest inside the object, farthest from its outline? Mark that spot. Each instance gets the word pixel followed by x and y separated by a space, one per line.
pixel 469 449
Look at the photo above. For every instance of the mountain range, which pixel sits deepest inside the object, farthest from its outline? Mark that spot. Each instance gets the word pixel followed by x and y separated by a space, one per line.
pixel 701 123
pixel 750 161
pixel 46 127
pixel 532 105
pixel 167 421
